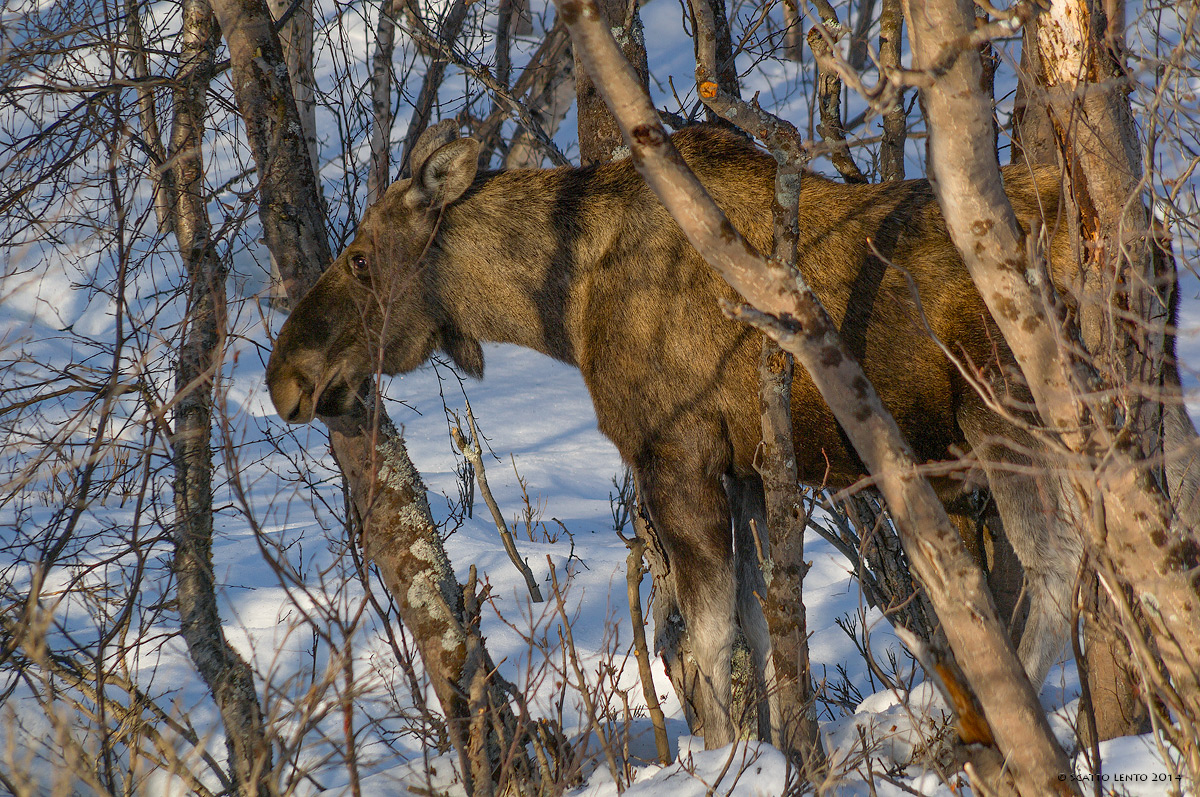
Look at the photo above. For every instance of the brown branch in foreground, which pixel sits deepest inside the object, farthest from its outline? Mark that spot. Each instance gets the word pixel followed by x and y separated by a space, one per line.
pixel 473 451
pixel 633 584
pixel 956 586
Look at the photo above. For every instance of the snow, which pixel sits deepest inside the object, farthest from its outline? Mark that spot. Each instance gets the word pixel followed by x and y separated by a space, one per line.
pixel 290 596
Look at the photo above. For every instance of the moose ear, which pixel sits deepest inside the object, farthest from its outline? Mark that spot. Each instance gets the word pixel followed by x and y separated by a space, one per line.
pixel 445 174
pixel 435 136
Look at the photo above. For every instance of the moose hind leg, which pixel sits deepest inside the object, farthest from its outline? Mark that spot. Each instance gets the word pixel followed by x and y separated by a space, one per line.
pixel 691 514
pixel 1037 511
pixel 747 506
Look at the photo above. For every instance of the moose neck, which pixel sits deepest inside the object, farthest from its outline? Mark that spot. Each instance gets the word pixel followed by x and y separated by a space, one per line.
pixel 516 254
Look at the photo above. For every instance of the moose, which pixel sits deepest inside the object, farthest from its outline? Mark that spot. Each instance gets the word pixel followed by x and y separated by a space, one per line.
pixel 587 267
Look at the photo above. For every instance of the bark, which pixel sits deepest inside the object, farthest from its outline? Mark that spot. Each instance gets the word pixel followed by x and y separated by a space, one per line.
pixel 793 721
pixel 829 100
pixel 988 61
pixel 713 45
pixel 1114 702
pixel 895 119
pixel 549 102
pixel 226 674
pixel 794 727
pixel 1137 539
pixel 164 189
pixel 473 452
pixel 795 318
pixel 294 22
pixel 1080 47
pixel 599 134
pixel 521 23
pixel 1032 136
pixel 856 57
pixel 380 175
pixel 398 532
pixel 633 583
pixel 793 35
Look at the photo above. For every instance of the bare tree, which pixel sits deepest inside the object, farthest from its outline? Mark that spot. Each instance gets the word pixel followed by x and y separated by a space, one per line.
pixel 228 676
pixel 1136 536
pixel 399 535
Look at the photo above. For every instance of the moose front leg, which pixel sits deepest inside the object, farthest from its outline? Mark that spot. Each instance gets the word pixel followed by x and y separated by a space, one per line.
pixel 691 514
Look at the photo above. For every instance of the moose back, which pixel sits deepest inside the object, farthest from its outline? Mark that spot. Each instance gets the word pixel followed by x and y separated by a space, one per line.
pixel 584 265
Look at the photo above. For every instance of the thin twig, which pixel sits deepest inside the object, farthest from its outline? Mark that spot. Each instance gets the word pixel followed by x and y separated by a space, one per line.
pixel 474 454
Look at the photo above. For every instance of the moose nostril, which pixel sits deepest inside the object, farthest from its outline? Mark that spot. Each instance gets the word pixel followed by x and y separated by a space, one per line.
pixel 291 393
pixel 296 415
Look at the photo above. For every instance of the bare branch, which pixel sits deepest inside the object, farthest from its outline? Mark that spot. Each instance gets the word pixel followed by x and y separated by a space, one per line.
pixel 473 451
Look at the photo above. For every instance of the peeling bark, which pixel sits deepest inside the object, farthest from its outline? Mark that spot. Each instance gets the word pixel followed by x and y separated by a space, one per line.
pixel 1137 537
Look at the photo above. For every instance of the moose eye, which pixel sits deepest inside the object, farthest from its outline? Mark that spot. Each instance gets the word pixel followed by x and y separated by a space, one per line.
pixel 358 266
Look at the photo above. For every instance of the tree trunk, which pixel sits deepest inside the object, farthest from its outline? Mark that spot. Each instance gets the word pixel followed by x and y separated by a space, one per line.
pixel 226 674
pixel 599 134
pixel 829 99
pixel 1078 43
pixel 296 38
pixel 955 583
pixel 895 119
pixel 1138 540
pixel 380 175
pixel 399 535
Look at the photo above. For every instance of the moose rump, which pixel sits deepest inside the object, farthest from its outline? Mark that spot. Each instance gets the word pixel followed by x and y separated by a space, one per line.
pixel 584 265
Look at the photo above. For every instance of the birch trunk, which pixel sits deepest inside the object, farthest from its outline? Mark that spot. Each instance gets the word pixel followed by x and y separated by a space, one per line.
pixel 1137 538
pixel 226 674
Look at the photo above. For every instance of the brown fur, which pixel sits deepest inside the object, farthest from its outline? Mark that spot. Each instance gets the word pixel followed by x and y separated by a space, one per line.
pixel 587 267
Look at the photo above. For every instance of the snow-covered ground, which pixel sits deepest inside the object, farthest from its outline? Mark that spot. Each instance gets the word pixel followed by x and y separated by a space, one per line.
pixel 290 596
